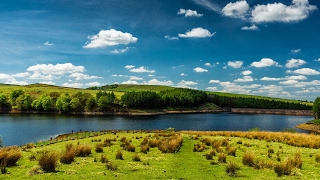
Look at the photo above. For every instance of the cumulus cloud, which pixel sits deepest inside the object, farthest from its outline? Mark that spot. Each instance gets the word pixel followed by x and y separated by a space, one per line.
pixel 288 82
pixel 129 66
pixel 183 74
pixel 47 82
pixel 119 51
pixel 295 51
pixel 214 81
pixel 197 33
pixel 58 69
pixel 21 75
pixel 73 85
pixel 22 83
pixel 129 82
pixel 81 76
pixel 208 64
pixel 157 82
pixel 236 10
pixel 47 43
pixel 135 78
pixel 244 79
pixel 250 28
pixel 171 38
pixel 141 69
pixel 304 71
pixel 235 64
pixel 299 77
pixel 7 77
pixel 46 77
pixel 295 63
pixel 246 72
pixel 278 12
pixel 264 62
pixel 189 13
pixel 93 84
pixel 110 37
pixel 187 83
pixel 200 70
pixel 212 88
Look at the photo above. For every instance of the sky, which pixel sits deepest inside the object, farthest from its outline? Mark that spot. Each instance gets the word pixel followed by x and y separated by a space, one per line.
pixel 259 47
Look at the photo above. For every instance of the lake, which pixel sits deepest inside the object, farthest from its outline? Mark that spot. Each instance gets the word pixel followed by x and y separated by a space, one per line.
pixel 18 129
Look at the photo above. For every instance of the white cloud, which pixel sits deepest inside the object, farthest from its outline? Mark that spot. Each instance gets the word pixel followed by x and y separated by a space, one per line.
pixel 58 69
pixel 187 83
pixel 208 5
pixel 248 28
pixel 47 82
pixel 189 13
pixel 7 77
pixel 171 38
pixel 297 11
pixel 129 66
pixel 318 59
pixel 22 83
pixel 80 76
pixel 295 51
pixel 200 70
pixel 141 69
pixel 208 64
pixel 129 82
pixel 183 74
pixel 135 78
pixel 212 88
pixel 110 37
pixel 265 62
pixel 73 85
pixel 299 77
pixel 244 79
pixel 288 82
pixel 150 75
pixel 21 75
pixel 197 33
pixel 161 83
pixel 214 81
pixel 236 10
pixel 246 72
pixel 93 84
pixel 304 71
pixel 295 63
pixel 235 64
pixel 47 77
pixel 119 51
pixel 234 88
pixel 47 43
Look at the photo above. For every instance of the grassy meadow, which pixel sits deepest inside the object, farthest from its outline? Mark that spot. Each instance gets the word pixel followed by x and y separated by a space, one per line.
pixel 167 155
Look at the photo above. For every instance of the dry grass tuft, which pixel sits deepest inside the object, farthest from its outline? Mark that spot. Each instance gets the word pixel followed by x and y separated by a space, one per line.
pixel 48 161
pixel 136 157
pixel 119 155
pixel 111 166
pixel 99 148
pixel 232 169
pixel 248 158
pixel 9 157
pixel 222 158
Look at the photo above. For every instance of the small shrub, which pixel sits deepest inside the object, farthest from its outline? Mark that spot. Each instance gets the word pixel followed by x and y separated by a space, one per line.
pixel 136 157
pixel 111 166
pixel 317 158
pixel 222 158
pixel 130 148
pixel 284 168
pixel 145 148
pixel 248 158
pixel 68 157
pixel 99 148
pixel 232 169
pixel 83 150
pixel 232 151
pixel 104 159
pixel 154 143
pixel 48 161
pixel 9 156
pixel 119 155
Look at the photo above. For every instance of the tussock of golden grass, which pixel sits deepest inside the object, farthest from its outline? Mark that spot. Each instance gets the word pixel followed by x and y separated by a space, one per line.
pixel 68 157
pixel 145 148
pixel 83 150
pixel 170 145
pixel 261 164
pixel 210 155
pixel 293 139
pixel 222 158
pixel 9 156
pixel 317 158
pixel 154 142
pixel 198 147
pixel 119 155
pixel 99 148
pixel 248 158
pixel 136 157
pixel 104 159
pixel 48 161
pixel 232 169
pixel 231 151
pixel 111 166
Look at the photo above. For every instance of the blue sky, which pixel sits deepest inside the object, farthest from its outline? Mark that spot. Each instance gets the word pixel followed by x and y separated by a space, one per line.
pixel 260 47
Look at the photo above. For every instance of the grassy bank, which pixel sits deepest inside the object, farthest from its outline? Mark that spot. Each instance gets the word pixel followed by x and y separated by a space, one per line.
pixel 171 155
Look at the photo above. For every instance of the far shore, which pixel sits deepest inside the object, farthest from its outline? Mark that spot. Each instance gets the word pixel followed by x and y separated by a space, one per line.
pixel 313 128
pixel 161 112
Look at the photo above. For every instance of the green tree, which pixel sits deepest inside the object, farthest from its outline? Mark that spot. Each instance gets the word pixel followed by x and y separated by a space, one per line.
pixel 103 103
pixel 3 100
pixel 316 108
pixel 14 95
pixel 47 103
pixel 90 104
pixel 75 104
pixel 63 103
pixel 23 102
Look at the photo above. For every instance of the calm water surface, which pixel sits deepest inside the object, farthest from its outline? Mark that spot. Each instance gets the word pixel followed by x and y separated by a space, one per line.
pixel 17 129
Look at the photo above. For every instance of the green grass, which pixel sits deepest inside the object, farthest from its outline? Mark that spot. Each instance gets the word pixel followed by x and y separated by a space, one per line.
pixel 315 122
pixel 184 164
